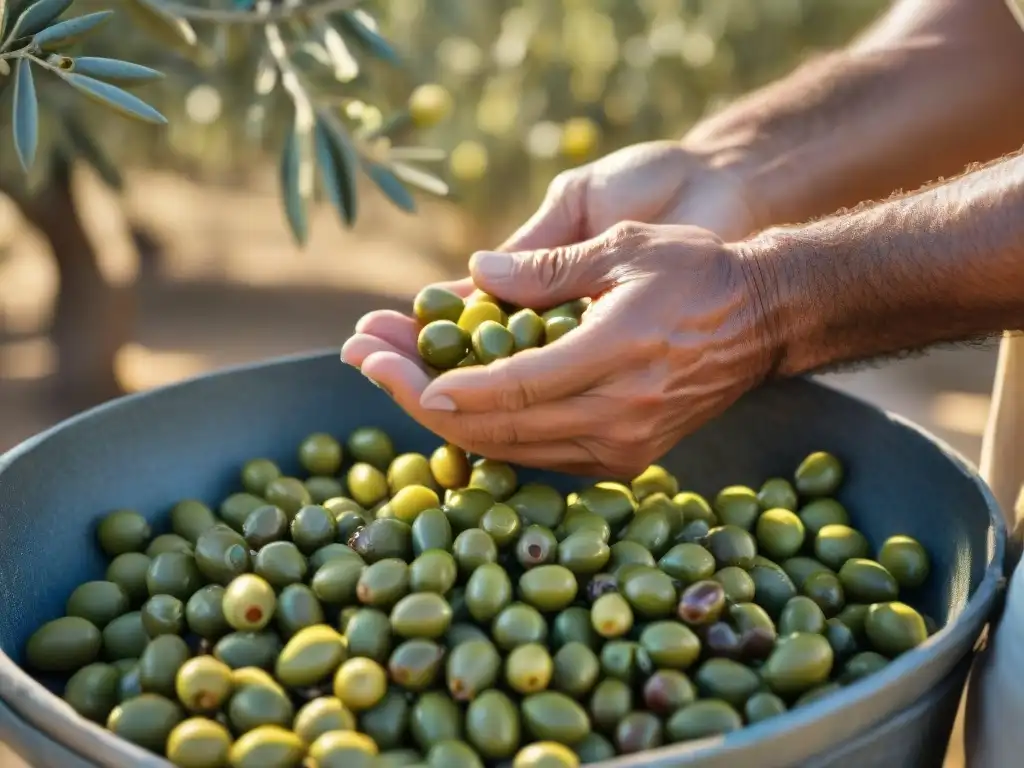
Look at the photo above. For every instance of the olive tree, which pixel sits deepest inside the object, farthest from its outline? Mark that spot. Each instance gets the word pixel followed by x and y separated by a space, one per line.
pixel 88 81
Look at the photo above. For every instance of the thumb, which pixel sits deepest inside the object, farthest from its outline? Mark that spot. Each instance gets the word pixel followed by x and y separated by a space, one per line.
pixel 558 221
pixel 544 278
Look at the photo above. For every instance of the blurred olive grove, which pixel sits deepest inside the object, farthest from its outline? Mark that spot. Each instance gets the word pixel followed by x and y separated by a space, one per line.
pixel 528 88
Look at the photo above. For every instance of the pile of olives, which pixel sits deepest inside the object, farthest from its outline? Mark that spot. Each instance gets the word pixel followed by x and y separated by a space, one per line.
pixel 436 612
pixel 458 333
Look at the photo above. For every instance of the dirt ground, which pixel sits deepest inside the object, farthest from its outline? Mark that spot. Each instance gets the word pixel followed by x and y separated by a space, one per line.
pixel 231 288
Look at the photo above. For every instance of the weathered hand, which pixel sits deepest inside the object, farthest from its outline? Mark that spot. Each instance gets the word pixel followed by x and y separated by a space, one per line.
pixel 675 334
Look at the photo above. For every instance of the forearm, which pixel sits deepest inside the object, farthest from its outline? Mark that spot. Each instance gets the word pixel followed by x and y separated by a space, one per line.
pixel 942 265
pixel 935 86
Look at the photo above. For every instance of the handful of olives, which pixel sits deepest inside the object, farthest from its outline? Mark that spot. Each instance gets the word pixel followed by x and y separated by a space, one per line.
pixel 395 609
pixel 457 333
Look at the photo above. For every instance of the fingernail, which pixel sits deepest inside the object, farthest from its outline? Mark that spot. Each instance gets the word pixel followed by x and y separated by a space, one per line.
pixel 491 265
pixel 438 403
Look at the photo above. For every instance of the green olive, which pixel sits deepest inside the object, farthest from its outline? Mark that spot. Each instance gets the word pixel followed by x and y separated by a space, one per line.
pixel 615 505
pixel 538 504
pixel 123 638
pixel 865 581
pixel 189 518
pixel 312 527
pixel 777 493
pixel 267 745
pixel 799 662
pixel 737 505
pixel 99 602
pixel 801 614
pixel 670 645
pixel 611 701
pixel 129 571
pixel 281 563
pixel 288 493
pixel 257 474
pixel 415 664
pixel 264 525
pixel 546 754
pixel 780 533
pixel 763 705
pixel 731 545
pixel 411 500
pixel 222 554
pixel 173 573
pixel 727 680
pixel 556 327
pixel 449 465
pixel 123 530
pixel 553 716
pixel 827 591
pixel 442 344
pixel 527 329
pixel 249 603
pixel 367 484
pixel 862 665
pixel 548 587
pixel 472 668
pixel 163 615
pixel 322 489
pixel 492 726
pixel 820 474
pixel 479 313
pixel 248 649
pixel 529 668
pixel 321 715
pixel 695 507
pixel 437 303
pixel 495 477
pixel 203 684
pixel 517 624
pixel 702 719
pixel 146 720
pixel 236 507
pixel 423 614
pixel 360 684
pixel 894 628
pixel 371 445
pixel 92 691
pixel 410 469
pixel 654 479
pixel 835 544
pixel 198 743
pixel 906 560
pixel 818 513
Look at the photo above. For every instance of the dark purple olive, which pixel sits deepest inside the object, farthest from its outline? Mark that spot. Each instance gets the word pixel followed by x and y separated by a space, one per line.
pixel 601 584
pixel 638 732
pixel 756 643
pixel 721 640
pixel 668 690
pixel 702 603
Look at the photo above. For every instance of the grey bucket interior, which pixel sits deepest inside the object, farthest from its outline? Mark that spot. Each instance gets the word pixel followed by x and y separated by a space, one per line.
pixel 150 450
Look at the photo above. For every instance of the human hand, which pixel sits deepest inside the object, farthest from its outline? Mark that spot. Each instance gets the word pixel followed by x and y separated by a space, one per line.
pixel 675 334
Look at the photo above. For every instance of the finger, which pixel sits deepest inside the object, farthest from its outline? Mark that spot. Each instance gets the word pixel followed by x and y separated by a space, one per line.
pixel 544 278
pixel 463 287
pixel 572 365
pixel 558 221
pixel 393 327
pixel 361 346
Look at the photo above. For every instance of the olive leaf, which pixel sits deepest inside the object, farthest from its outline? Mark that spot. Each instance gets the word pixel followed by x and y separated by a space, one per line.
pixel 338 164
pixel 71 31
pixel 390 185
pixel 360 27
pixel 341 60
pixel 36 18
pixel 122 73
pixel 161 23
pixel 25 114
pixel 118 100
pixel 81 144
pixel 428 182
pixel 5 8
pixel 266 75
pixel 298 173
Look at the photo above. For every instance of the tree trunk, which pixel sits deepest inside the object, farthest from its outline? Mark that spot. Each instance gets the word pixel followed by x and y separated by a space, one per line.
pixel 92 318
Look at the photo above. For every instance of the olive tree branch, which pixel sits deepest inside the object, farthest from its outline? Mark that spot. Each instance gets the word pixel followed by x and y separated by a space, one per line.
pixel 262 14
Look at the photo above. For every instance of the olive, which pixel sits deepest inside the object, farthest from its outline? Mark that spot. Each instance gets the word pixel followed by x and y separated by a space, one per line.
pixel 737 505
pixel 574 625
pixel 556 327
pixel 267 745
pixel 382 539
pixel 198 743
pixel 203 684
pixel 546 754
pixel 99 602
pixel 173 573
pixel 415 664
pixel 297 608
pixel 437 303
pixel 861 665
pixel 288 493
pixel 249 603
pixel 257 474
pixel 853 616
pixel 190 517
pixel 667 691
pixel 529 668
pixel 128 571
pixel 827 591
pixel 865 581
pixel 670 645
pixel 92 691
pixel 654 479
pixel 478 313
pixel 701 603
pixel 625 660
pixel 693 533
pixel 611 615
pixel 538 504
pixel 601 584
pixel 435 718
pixel 321 715
pixel 801 614
pixel 763 705
pixel 360 684
pixel 248 649
pixel 128 686
pixel 383 583
pixel 651 528
pixel 731 545
pixel 367 484
pixel 222 554
pixel 548 587
pixel 727 680
pixel 453 753
pixel 842 640
pixel 335 582
pixel 738 586
pixel 410 469
pixel 780 533
pixel 473 548
pixel 777 493
pixel 894 628
pixel 583 553
pixel 502 524
pixel 527 329
pixel 906 560
pixel 264 525
pixel 368 634
pixel 688 563
pixel 517 624
pixel 123 530
pixel 449 465
pixel 799 569
pixel 423 614
pixel 835 544
pixel 772 588
pixel 799 662
pixel 146 720
pixel 492 725
pixel 323 489
pixel 472 667
pixel 163 615
pixel 818 513
pixel 650 592
pixel 615 505
pixel 332 551
pixel 395 758
pixel 159 664
pixel 708 717
pixel 387 724
pixel 466 507
pixel 576 669
pixel 442 344
pixel 433 571
pixel 495 477
pixel 123 638
pixel 169 542
pixel 488 592
pixel 254 704
pixel 579 520
pixel 611 701
pixel 695 507
pixel 594 748
pixel 310 657
pixel 312 527
pixel 238 506
pixel 820 474
pixel 536 546
pixel 370 445
pixel 553 716
pixel 320 454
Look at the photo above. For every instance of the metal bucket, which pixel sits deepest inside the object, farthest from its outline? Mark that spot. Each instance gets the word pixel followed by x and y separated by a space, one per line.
pixel 189 440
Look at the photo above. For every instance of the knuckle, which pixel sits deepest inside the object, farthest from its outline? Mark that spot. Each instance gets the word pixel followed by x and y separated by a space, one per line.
pixel 627 234
pixel 492 430
pixel 547 268
pixel 562 183
pixel 511 391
